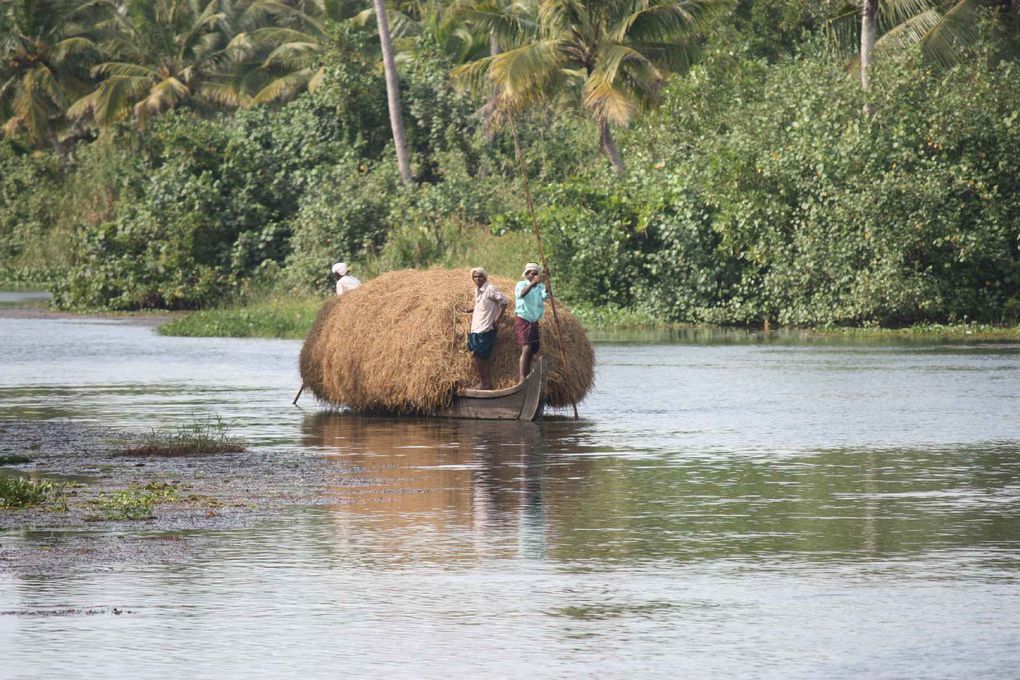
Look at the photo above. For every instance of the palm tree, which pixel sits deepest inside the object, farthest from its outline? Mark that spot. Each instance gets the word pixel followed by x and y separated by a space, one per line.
pixel 41 45
pixel 945 32
pixel 504 24
pixel 393 92
pixel 613 55
pixel 291 54
pixel 174 53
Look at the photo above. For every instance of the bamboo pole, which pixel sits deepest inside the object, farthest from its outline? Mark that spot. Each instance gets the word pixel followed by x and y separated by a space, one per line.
pixel 541 248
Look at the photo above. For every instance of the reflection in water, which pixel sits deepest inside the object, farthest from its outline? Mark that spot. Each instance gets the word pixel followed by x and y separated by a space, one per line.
pixel 486 478
pixel 729 506
pixel 492 489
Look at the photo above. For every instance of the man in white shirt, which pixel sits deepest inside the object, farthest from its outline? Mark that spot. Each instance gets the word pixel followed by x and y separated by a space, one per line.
pixel 488 309
pixel 345 282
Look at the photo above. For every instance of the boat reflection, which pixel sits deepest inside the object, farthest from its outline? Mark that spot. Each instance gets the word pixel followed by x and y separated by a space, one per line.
pixel 458 485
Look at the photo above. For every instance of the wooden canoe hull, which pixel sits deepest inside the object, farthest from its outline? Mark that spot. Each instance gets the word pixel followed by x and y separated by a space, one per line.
pixel 524 401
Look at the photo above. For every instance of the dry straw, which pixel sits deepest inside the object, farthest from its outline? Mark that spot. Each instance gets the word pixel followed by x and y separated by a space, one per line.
pixel 397 344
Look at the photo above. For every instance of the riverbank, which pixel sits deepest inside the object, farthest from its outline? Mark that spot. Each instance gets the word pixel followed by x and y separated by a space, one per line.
pixel 290 318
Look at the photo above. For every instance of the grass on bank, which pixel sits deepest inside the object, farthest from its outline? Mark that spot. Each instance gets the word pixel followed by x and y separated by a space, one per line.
pixel 292 319
pixel 961 331
pixel 202 436
pixel 281 317
pixel 273 317
pixel 22 492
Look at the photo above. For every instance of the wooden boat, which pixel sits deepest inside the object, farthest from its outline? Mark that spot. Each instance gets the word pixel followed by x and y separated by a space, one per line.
pixel 523 401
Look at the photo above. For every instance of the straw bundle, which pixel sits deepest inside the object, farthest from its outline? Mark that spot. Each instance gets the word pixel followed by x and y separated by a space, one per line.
pixel 397 344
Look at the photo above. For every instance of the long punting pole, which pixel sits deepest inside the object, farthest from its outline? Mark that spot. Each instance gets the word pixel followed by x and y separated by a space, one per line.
pixel 541 249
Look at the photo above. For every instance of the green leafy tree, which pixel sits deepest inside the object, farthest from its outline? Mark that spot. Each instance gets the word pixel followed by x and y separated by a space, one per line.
pixel 946 32
pixel 610 57
pixel 168 54
pixel 42 45
pixel 292 52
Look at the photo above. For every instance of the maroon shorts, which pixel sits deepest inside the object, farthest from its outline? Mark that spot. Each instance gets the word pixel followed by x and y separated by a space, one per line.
pixel 526 333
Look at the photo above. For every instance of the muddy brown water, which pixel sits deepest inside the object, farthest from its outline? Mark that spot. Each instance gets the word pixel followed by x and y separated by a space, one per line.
pixel 728 506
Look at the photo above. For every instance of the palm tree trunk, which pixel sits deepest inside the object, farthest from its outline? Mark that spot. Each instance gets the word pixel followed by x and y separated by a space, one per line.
pixel 608 146
pixel 489 110
pixel 869 15
pixel 393 92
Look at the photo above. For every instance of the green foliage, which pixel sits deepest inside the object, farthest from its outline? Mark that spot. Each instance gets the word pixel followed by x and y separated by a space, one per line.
pixel 21 492
pixel 201 436
pixel 327 229
pixel 135 502
pixel 756 192
pixel 276 317
pixel 212 211
pixel 798 210
pixel 772 28
pixel 28 184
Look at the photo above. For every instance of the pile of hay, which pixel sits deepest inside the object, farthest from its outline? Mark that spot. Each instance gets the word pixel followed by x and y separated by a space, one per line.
pixel 397 344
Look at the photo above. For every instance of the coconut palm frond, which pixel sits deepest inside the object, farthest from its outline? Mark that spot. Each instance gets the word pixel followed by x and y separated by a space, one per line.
pixel 843 34
pixel 556 17
pixel 286 88
pixel 910 32
pixel 242 43
pixel 608 100
pixel 510 23
pixel 275 36
pixel 473 76
pixel 262 12
pixel 9 85
pixel 163 96
pixel 32 108
pixel 665 21
pixel 121 68
pixel 292 55
pixel 892 13
pixel 110 101
pixel 222 93
pixel 613 58
pixel 72 47
pixel 949 42
pixel 401 25
pixel 12 125
pixel 525 71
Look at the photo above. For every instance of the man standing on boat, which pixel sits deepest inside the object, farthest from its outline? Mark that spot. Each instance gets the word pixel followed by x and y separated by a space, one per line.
pixel 531 294
pixel 488 309
pixel 345 281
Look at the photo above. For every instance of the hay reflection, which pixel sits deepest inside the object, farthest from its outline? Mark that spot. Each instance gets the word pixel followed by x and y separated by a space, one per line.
pixel 482 478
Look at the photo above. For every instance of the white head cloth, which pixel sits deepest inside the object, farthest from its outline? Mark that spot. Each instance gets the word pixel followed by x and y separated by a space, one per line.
pixel 479 270
pixel 340 268
pixel 531 267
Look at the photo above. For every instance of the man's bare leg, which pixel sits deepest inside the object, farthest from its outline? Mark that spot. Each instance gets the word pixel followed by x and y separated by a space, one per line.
pixel 482 366
pixel 524 365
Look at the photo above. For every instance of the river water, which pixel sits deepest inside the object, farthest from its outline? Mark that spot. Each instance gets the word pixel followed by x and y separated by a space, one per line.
pixel 728 506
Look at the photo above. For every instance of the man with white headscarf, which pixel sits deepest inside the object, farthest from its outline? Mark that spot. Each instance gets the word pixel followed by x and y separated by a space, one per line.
pixel 345 282
pixel 488 309
pixel 529 306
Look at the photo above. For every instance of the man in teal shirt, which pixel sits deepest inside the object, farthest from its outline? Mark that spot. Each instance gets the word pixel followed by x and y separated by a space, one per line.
pixel 529 306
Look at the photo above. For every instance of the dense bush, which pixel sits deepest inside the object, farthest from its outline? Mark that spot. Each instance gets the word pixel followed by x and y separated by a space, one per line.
pixel 797 209
pixel 758 192
pixel 28 184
